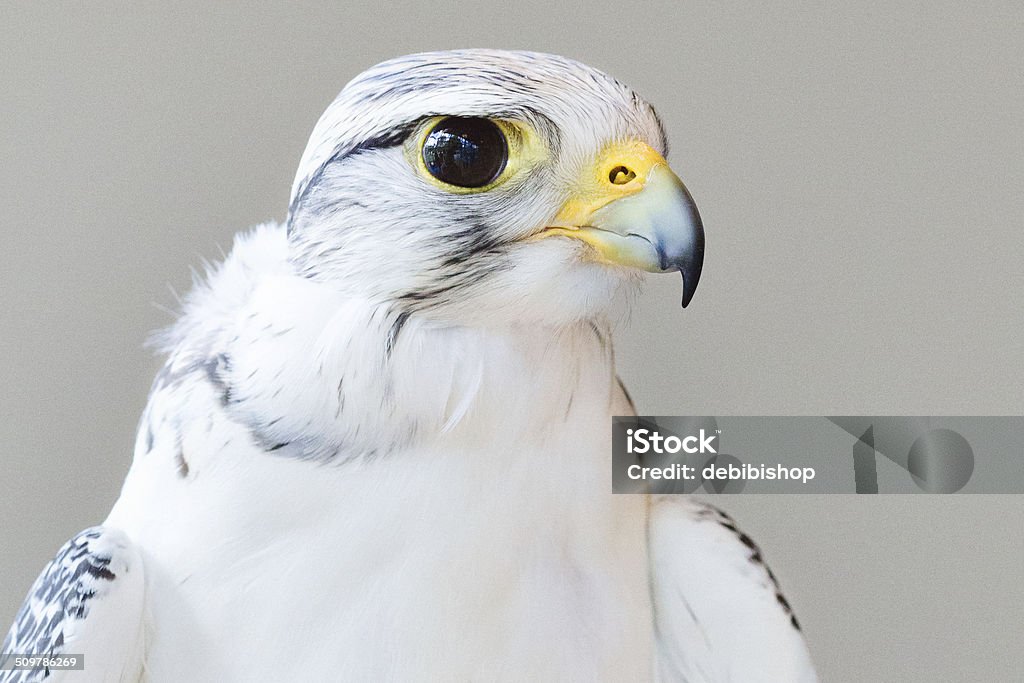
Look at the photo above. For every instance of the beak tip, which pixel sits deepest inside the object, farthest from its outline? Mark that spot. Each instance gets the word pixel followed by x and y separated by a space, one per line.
pixel 688 291
pixel 690 270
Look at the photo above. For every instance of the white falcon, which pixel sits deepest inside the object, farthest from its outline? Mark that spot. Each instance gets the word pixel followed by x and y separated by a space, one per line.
pixel 380 446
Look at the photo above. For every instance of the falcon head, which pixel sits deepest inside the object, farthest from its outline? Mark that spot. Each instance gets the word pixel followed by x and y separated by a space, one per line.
pixel 475 183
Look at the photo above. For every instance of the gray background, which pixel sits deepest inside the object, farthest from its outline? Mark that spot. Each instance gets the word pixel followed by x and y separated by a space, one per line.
pixel 859 170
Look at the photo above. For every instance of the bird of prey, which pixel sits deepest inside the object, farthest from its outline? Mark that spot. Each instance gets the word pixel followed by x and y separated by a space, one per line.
pixel 379 448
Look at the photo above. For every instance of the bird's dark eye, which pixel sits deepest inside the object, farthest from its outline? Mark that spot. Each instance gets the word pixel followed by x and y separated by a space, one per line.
pixel 465 152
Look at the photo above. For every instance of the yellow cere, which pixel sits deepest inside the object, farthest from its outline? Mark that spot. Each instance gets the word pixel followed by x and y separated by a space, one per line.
pixel 621 169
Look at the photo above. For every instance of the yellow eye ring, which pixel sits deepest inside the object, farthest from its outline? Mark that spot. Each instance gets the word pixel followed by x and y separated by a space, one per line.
pixel 455 136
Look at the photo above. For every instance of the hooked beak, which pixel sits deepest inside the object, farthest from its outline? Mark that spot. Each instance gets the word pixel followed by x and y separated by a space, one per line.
pixel 634 211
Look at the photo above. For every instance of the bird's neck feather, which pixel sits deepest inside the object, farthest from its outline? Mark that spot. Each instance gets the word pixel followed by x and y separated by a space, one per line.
pixel 335 376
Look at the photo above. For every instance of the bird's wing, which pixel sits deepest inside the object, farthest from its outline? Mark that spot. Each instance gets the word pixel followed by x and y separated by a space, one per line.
pixel 87 601
pixel 719 613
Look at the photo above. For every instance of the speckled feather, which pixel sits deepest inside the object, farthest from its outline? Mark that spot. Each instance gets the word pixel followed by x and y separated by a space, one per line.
pixel 68 611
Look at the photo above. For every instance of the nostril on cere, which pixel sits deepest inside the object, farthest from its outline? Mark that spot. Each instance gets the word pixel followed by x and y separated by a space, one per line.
pixel 620 175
